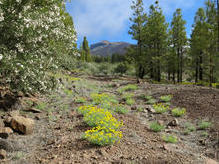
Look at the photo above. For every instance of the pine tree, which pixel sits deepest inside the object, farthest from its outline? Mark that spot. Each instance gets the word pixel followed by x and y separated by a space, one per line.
pixel 86 50
pixel 179 40
pixel 199 43
pixel 155 34
pixel 211 15
pixel 136 30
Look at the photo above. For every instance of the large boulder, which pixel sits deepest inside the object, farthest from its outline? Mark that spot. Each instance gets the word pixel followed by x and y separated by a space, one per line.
pixel 22 124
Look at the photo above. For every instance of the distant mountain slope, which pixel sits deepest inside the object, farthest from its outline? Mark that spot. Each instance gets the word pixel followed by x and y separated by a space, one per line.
pixel 106 48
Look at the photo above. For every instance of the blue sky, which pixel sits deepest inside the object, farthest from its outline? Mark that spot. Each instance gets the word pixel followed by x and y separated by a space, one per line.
pixel 109 19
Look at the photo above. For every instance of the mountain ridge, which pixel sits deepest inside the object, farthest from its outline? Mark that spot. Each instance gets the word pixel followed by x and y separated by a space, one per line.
pixel 106 48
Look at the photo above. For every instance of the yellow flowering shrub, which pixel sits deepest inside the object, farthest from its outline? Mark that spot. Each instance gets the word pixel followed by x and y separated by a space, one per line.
pixel 106 127
pixel 103 136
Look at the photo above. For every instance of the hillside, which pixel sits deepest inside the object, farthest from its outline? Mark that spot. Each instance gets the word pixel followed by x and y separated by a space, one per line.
pixel 106 48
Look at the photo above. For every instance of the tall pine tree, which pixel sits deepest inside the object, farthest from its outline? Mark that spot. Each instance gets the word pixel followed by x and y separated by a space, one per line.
pixel 179 40
pixel 155 34
pixel 136 30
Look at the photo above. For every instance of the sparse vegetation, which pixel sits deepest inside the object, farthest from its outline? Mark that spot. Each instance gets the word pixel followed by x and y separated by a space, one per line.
pixel 170 138
pixel 130 87
pixel 156 127
pixel 160 108
pixel 166 98
pixel 80 100
pixel 204 125
pixel 121 109
pixel 178 112
pixel 189 128
pixel 150 100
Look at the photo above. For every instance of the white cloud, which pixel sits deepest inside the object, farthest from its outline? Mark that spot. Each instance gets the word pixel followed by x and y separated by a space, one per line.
pixel 94 18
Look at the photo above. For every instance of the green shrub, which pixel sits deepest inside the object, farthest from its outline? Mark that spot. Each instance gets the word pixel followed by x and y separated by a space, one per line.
pixel 150 100
pixel 178 112
pixel 103 98
pixel 121 68
pixel 121 109
pixel 170 139
pixel 80 100
pixel 129 87
pixel 189 128
pixel 160 108
pixel 126 96
pixel 204 134
pixel 41 106
pixel 130 101
pixel 156 127
pixel 204 125
pixel 166 98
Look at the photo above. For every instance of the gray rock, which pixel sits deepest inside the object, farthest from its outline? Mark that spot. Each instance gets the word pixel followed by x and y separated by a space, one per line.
pixel 174 122
pixel 3 154
pixel 6 145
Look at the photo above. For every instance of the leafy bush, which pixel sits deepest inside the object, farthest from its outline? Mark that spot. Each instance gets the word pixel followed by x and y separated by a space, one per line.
pixel 130 101
pixel 160 108
pixel 40 32
pixel 166 98
pixel 156 127
pixel 126 96
pixel 103 98
pixel 178 112
pixel 129 87
pixel 121 109
pixel 189 128
pixel 121 68
pixel 150 100
pixel 170 139
pixel 204 125
pixel 204 134
pixel 41 106
pixel 80 100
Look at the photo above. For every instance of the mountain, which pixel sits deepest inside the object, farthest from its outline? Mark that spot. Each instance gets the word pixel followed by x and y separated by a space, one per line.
pixel 106 48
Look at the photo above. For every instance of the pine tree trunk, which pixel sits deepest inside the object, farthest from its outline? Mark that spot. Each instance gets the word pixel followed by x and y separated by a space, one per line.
pixel 178 66
pixel 196 70
pixel 200 67
pixel 181 65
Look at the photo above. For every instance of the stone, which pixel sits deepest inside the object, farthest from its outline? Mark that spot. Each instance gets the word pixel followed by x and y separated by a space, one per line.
pixel 149 108
pixel 134 107
pixel 14 113
pixel 22 124
pixel 5 132
pixel 7 120
pixel 2 123
pixel 174 122
pixel 210 161
pixel 160 122
pixel 3 154
pixel 33 110
pixel 6 145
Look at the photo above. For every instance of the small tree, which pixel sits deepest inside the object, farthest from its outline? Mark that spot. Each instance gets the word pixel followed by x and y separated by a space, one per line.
pixel 86 50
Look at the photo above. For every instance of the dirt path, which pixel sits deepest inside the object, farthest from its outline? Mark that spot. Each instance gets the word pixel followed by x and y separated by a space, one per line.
pixel 59 128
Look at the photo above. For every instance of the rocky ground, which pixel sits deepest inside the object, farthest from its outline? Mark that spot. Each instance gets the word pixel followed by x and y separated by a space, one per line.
pixel 47 129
